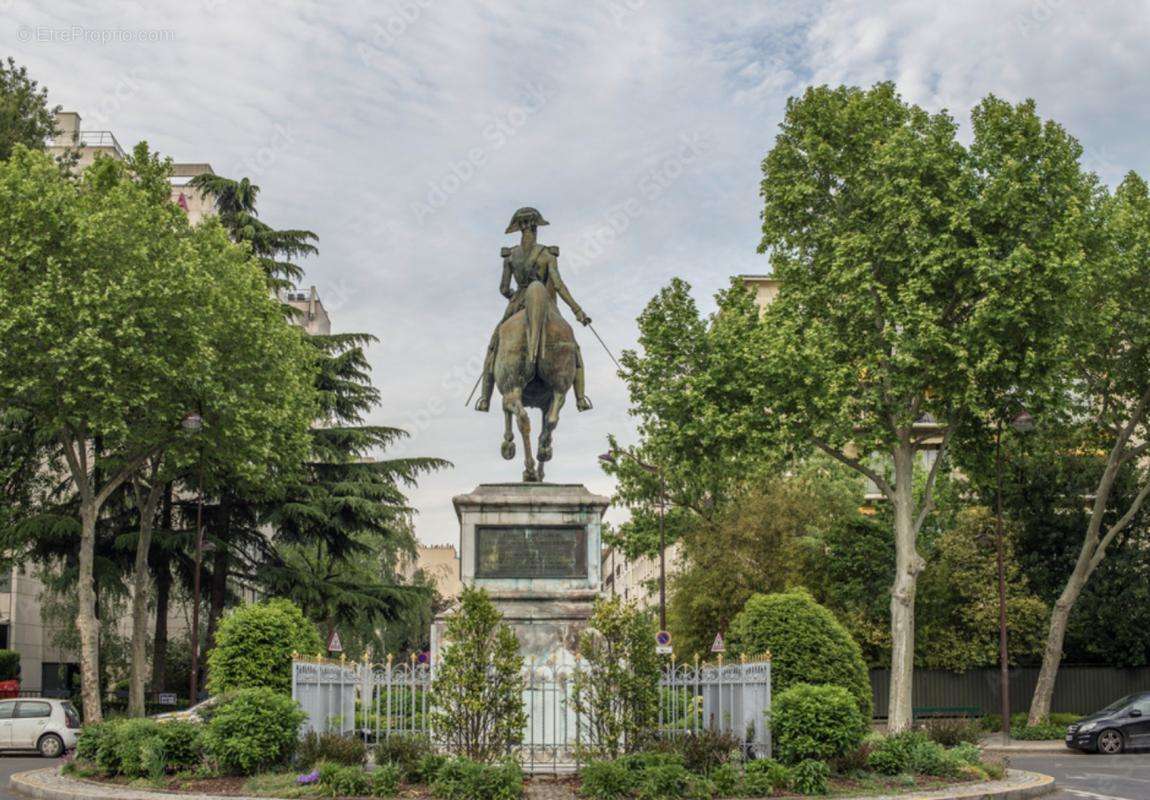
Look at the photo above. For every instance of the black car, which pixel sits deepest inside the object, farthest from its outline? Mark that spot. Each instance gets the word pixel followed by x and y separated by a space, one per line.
pixel 1123 724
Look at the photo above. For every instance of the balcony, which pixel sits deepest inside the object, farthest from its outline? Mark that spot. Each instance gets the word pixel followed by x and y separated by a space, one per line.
pixel 104 139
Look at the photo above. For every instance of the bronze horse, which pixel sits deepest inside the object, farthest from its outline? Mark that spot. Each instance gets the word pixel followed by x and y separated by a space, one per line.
pixel 534 367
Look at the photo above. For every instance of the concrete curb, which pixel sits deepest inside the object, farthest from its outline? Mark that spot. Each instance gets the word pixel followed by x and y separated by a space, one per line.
pixel 1055 746
pixel 49 784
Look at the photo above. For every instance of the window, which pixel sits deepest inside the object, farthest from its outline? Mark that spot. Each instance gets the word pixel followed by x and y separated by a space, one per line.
pixel 6 709
pixel 1143 705
pixel 26 710
pixel 4 636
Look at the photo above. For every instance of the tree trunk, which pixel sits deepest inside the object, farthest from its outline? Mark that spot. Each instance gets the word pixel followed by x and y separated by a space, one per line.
pixel 1059 617
pixel 908 564
pixel 86 621
pixel 219 593
pixel 141 580
pixel 161 566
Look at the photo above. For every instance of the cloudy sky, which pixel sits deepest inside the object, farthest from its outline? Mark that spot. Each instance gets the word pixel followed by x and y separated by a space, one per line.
pixel 406 132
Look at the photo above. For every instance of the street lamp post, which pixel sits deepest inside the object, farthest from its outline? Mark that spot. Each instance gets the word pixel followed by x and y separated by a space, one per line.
pixel 611 457
pixel 1022 423
pixel 194 423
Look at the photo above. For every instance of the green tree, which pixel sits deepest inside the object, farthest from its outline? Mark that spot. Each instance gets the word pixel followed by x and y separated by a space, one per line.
pixel 478 688
pixel 765 540
pixel 25 117
pixel 905 286
pixel 1109 371
pixel 696 417
pixel 277 250
pixel 255 644
pixel 806 642
pixel 617 684
pixel 341 529
pixel 958 600
pixel 111 332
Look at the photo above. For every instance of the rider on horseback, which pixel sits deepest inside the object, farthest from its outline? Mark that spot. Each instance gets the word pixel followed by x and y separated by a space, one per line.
pixel 528 262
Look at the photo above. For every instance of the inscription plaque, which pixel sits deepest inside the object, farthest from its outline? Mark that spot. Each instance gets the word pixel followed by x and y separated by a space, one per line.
pixel 530 551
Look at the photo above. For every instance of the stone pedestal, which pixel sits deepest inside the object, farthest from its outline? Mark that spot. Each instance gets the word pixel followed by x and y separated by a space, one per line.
pixel 535 548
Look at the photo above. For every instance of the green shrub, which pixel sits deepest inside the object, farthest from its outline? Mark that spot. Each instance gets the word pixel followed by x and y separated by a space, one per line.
pixel 183 744
pixel 346 781
pixel 429 767
pixel 727 780
pixel 701 750
pixel 807 644
pixel 913 752
pixel 949 732
pixel 699 788
pixel 316 747
pixel 764 776
pixel 607 780
pixel 253 730
pixel 617 689
pixel 818 722
pixel 967 753
pixel 663 782
pixel 637 762
pixel 385 780
pixel 810 777
pixel 327 772
pixel 130 739
pixel 464 779
pixel 9 665
pixel 93 737
pixel 254 646
pixel 407 753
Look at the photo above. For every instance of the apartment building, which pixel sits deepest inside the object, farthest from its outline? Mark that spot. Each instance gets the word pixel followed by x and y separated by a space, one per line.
pixel 440 562
pixel 636 580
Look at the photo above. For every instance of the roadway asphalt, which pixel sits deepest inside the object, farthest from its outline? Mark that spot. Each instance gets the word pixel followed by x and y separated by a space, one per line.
pixel 1083 776
pixel 22 762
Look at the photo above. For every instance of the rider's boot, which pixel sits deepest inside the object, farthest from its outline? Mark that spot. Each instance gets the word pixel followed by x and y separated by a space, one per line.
pixel 582 401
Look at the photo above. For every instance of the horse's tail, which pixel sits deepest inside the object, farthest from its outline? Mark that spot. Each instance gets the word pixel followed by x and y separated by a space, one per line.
pixel 537 302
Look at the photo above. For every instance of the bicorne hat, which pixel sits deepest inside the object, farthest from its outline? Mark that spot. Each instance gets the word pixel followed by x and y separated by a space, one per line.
pixel 524 217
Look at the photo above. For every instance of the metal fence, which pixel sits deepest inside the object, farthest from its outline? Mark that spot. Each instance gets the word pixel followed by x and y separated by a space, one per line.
pixel 1078 690
pixel 376 701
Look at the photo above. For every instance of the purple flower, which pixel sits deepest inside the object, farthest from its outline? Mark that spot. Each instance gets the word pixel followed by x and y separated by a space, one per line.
pixel 310 777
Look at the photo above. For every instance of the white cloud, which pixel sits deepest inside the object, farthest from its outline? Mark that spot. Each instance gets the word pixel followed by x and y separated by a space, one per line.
pixel 354 117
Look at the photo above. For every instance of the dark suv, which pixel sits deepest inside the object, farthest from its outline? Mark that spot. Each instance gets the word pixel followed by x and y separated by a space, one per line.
pixel 1122 724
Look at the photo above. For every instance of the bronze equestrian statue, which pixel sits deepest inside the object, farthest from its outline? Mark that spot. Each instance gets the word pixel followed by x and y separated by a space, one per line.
pixel 533 356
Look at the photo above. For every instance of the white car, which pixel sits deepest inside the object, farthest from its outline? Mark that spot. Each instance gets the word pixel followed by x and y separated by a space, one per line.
pixel 38 723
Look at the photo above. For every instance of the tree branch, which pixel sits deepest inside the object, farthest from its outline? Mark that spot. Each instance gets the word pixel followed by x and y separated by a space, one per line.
pixel 928 492
pixel 858 466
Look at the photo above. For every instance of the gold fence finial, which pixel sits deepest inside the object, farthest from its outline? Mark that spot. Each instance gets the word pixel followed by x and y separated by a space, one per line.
pixel 390 658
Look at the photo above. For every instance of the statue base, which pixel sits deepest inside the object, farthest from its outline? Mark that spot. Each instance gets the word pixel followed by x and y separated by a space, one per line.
pixel 535 548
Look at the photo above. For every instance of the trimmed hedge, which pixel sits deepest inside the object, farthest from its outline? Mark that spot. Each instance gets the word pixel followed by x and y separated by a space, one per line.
pixel 819 722
pixel 141 747
pixel 253 730
pixel 254 646
pixel 807 644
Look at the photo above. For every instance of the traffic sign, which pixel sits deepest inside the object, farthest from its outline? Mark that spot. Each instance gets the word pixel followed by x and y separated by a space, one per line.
pixel 663 643
pixel 717 646
pixel 334 645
